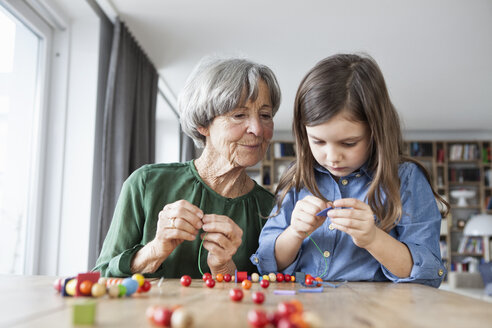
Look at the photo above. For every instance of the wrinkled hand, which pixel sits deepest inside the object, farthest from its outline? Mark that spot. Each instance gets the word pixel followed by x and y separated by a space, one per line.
pixel 222 239
pixel 355 219
pixel 177 222
pixel 304 220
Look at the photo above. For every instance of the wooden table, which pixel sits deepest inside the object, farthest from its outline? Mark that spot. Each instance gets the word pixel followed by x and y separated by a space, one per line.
pixel 30 301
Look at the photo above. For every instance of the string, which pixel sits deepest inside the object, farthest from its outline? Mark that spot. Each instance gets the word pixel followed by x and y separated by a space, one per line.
pixel 200 254
pixel 319 249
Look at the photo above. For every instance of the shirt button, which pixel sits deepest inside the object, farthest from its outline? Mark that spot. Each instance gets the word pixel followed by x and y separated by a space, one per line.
pixel 331 227
pixel 256 260
pixel 357 175
pixel 326 254
pixel 440 272
pixel 344 182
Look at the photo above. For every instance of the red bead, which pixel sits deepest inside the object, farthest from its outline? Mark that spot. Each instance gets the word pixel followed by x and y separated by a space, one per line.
pixel 206 276
pixel 162 316
pixel 264 283
pixel 287 277
pixel 210 283
pixel 145 287
pixel 236 294
pixel 280 277
pixel 309 280
pixel 257 318
pixel 286 309
pixel 227 277
pixel 258 297
pixel 57 284
pixel 185 280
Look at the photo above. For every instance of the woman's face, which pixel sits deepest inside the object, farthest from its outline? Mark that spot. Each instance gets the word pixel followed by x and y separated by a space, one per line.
pixel 242 135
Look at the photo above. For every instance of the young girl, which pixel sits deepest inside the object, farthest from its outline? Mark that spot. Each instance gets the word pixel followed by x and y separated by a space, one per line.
pixel 384 223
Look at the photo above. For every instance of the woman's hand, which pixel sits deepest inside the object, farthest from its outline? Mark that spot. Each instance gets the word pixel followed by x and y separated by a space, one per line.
pixel 304 220
pixel 222 239
pixel 177 222
pixel 355 219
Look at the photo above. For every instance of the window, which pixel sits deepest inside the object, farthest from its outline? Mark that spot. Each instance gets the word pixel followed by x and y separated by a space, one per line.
pixel 20 110
pixel 167 132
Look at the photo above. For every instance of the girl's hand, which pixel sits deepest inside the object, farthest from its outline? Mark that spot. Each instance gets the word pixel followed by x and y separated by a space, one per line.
pixel 222 240
pixel 357 220
pixel 177 222
pixel 304 220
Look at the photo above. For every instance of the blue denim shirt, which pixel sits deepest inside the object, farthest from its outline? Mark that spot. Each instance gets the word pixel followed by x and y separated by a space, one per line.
pixel 419 229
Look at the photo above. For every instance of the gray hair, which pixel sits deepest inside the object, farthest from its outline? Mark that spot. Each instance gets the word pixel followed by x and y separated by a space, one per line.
pixel 215 88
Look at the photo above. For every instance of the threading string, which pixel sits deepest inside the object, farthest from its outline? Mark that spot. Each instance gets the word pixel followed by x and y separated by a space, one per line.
pixel 200 254
pixel 326 262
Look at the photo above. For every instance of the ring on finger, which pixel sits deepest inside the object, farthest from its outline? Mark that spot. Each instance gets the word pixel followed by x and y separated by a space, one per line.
pixel 172 223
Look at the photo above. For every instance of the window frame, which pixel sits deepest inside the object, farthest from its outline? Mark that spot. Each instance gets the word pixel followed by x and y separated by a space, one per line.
pixel 34 217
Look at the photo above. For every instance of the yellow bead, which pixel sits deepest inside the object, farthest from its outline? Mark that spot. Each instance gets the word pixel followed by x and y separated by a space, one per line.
pixel 139 278
pixel 98 290
pixel 70 287
pixel 265 277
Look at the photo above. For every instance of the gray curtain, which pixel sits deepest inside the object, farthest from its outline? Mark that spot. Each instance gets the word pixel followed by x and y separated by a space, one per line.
pixel 127 127
pixel 187 150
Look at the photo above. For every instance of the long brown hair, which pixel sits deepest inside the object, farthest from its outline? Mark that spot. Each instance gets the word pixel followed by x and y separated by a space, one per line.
pixel 354 84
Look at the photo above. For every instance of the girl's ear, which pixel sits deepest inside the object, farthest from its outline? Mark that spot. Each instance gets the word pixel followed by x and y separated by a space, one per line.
pixel 203 131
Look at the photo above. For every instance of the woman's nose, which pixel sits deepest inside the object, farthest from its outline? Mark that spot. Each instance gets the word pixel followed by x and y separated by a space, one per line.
pixel 255 126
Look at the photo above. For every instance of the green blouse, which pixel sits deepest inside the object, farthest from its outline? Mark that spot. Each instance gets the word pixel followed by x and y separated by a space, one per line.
pixel 146 192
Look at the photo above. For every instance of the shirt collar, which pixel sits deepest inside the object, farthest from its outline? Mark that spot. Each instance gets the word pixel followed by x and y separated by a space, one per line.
pixel 363 170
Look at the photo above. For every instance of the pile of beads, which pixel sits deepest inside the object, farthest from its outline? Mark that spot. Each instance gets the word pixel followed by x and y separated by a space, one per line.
pixel 90 284
pixel 175 317
pixel 287 314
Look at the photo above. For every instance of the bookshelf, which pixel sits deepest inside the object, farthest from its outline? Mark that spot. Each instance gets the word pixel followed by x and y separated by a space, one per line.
pixel 454 165
pixel 461 171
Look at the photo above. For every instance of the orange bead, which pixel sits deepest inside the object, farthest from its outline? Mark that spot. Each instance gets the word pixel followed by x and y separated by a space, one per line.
pixel 246 284
pixel 298 305
pixel 292 278
pixel 319 280
pixel 219 277
pixel 85 287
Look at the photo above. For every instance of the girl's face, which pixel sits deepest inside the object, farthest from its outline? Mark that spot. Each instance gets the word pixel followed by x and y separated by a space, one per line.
pixel 242 135
pixel 340 145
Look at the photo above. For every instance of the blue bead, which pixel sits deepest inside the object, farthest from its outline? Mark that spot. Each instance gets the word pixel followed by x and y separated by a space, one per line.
pixel 131 286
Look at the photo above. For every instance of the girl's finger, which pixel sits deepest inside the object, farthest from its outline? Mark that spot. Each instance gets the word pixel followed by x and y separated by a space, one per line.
pixel 350 202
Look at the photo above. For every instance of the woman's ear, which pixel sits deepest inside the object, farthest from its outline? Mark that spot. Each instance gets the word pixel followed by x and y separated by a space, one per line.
pixel 203 131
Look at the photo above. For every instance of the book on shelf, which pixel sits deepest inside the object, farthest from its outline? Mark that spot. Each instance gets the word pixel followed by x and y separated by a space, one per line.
pixel 420 149
pixel 488 202
pixel 486 155
pixel 283 149
pixel 465 152
pixel 464 174
pixel 488 177
pixel 440 155
pixel 471 245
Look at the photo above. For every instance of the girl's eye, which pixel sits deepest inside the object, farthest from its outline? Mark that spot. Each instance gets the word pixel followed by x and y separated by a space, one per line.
pixel 318 142
pixel 349 144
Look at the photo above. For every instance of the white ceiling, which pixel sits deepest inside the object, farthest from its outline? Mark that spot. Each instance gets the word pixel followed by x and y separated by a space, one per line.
pixel 436 55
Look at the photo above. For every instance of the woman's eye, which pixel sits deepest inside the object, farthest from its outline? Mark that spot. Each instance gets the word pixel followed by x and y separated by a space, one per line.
pixel 239 116
pixel 266 116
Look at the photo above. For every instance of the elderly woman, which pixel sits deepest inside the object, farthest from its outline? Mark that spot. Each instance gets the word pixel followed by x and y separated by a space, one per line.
pixel 167 213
